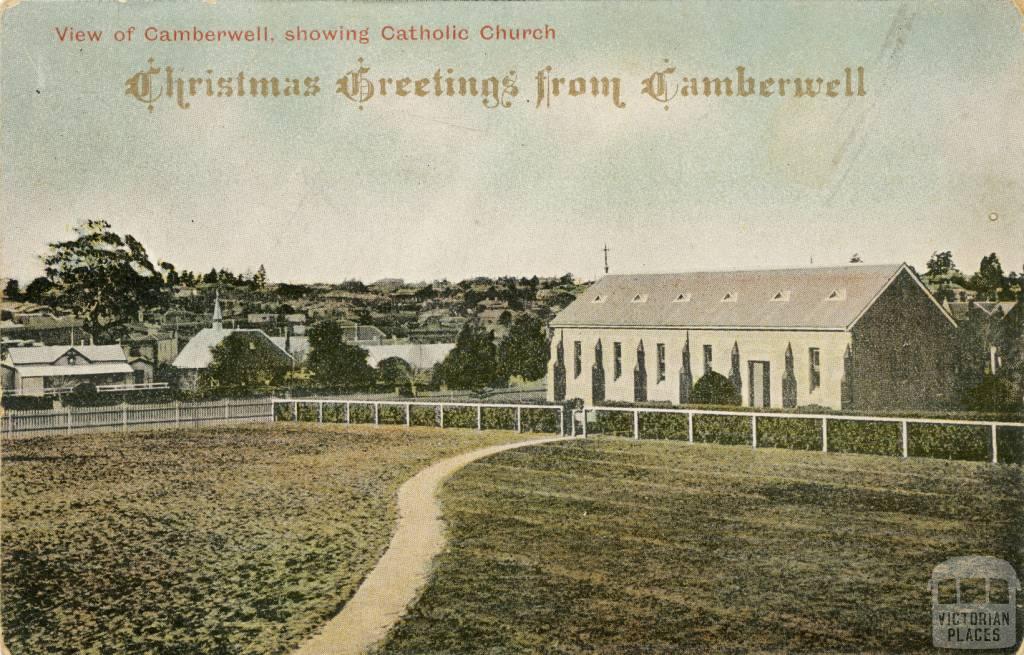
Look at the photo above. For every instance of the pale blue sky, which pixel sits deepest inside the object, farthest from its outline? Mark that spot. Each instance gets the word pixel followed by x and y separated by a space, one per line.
pixel 319 191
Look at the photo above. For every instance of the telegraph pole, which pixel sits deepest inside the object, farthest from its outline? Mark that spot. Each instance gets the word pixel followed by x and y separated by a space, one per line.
pixel 605 250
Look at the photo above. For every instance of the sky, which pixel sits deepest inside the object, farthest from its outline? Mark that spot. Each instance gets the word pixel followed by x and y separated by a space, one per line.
pixel 318 190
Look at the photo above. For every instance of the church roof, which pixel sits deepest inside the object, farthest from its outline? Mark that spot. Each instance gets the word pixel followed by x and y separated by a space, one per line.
pixel 198 352
pixel 831 298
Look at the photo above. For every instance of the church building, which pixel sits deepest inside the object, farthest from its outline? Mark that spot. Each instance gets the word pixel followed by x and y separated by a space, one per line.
pixel 851 337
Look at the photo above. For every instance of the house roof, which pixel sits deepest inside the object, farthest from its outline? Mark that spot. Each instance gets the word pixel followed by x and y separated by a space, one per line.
pixel 960 309
pixel 298 343
pixel 198 352
pixel 48 370
pixel 830 298
pixel 49 354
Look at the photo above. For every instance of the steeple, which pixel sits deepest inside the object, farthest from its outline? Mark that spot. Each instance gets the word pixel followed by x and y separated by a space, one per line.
pixel 218 318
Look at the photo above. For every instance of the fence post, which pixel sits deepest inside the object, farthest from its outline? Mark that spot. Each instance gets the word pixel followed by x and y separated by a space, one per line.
pixel 479 417
pixel 584 422
pixel 519 419
pixel 320 412
pixel 408 414
pixel 227 409
pixel 177 411
pixel 689 426
pixel 295 411
pixel 69 422
pixel 753 430
pixel 124 417
pixel 347 406
pixel 572 419
pixel 636 424
pixel 906 449
pixel 995 447
pixel 561 422
pixel 824 435
pixel 441 407
pixel 376 413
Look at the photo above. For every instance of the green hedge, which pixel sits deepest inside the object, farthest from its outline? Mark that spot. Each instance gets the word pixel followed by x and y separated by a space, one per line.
pixel 492 418
pixel 972 443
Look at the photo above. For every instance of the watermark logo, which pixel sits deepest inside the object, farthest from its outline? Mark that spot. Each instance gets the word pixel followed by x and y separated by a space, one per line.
pixel 974 603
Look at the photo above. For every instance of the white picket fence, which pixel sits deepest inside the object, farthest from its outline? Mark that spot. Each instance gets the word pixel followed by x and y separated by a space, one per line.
pixel 134 417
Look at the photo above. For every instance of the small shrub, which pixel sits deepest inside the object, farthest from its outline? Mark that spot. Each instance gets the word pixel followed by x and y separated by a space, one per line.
pixel 967 442
pixel 460 417
pixel 539 420
pixel 864 437
pixel 422 415
pixel 725 430
pixel 391 414
pixel 23 403
pixel 498 418
pixel 715 389
pixel 361 413
pixel 791 433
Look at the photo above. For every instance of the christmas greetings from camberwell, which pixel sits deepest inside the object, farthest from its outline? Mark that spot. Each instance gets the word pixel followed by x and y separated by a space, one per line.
pixel 157 84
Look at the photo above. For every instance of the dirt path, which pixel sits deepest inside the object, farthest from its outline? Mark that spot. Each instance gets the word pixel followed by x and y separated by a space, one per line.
pixel 403 570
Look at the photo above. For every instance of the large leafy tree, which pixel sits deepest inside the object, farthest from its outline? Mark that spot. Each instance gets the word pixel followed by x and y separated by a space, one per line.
pixel 524 350
pixel 246 360
pixel 473 363
pixel 940 267
pixel 334 362
pixel 104 278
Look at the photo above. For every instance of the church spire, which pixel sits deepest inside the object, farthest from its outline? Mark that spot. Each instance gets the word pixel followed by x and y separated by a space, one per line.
pixel 218 318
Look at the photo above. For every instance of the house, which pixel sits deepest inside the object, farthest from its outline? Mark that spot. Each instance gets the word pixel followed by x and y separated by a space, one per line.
pixel 987 332
pixel 419 356
pixel 197 355
pixel 41 370
pixel 259 319
pixel 851 337
pixel 45 327
pixel 295 345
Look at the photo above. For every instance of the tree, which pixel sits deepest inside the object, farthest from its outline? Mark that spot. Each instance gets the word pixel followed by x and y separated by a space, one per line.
pixel 11 290
pixel 856 259
pixel 989 278
pixel 246 360
pixel 38 291
pixel 104 278
pixel 940 267
pixel 334 362
pixel 171 277
pixel 472 364
pixel 397 373
pixel 524 350
pixel 261 277
pixel 211 277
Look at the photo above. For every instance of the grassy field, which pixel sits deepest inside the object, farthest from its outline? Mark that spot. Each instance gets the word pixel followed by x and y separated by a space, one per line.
pixel 239 539
pixel 615 546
